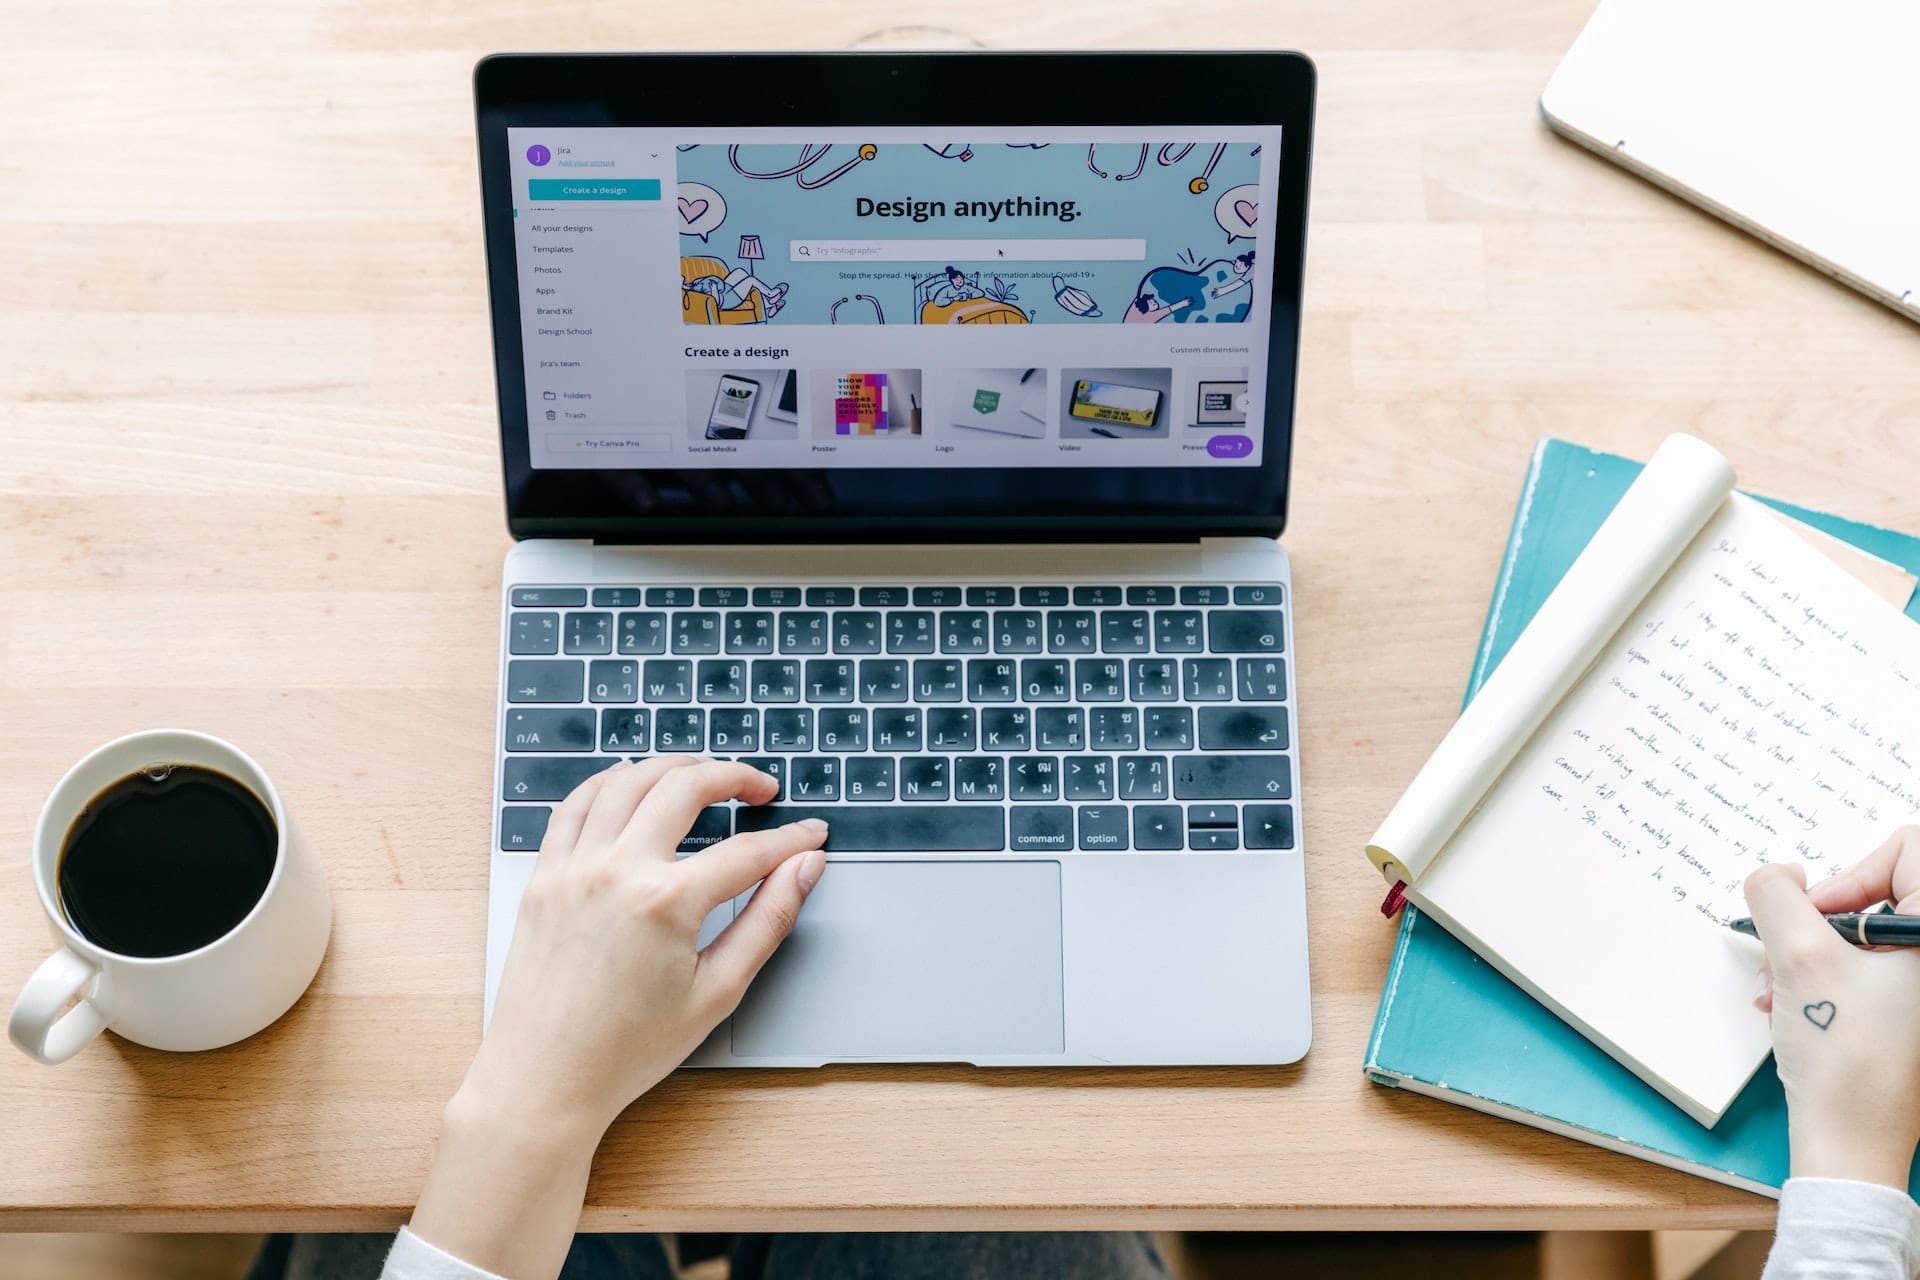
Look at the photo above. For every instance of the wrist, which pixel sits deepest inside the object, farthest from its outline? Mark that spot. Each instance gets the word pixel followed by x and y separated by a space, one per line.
pixel 527 1123
pixel 1885 1158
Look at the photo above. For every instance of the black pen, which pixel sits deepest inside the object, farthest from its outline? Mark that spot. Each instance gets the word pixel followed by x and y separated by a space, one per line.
pixel 1868 929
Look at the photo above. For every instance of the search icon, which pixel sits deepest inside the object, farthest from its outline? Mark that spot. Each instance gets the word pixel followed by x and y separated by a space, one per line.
pixel 805 252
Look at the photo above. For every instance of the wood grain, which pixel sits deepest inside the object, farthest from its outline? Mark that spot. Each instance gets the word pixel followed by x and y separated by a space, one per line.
pixel 250 485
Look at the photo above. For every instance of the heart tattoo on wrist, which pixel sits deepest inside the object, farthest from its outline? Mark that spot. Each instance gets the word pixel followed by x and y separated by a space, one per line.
pixel 1821 1014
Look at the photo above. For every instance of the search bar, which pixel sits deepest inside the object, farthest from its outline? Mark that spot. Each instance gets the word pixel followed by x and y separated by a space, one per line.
pixel 940 251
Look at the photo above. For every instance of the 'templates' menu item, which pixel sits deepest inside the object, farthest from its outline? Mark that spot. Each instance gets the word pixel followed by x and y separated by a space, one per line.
pixel 1704 691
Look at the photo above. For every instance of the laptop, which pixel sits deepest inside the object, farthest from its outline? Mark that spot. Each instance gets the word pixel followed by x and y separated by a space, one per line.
pixel 1043 691
pixel 1220 403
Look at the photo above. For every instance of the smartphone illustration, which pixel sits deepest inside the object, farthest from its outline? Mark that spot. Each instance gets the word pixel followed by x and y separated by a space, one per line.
pixel 732 408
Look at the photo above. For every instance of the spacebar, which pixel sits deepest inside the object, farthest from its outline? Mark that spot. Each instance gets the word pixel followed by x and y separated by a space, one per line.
pixel 912 828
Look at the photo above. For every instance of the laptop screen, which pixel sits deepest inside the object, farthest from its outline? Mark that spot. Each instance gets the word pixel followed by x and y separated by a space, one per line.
pixel 1026 298
pixel 813 308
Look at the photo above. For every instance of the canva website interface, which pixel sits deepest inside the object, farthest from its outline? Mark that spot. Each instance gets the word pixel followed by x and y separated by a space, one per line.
pixel 879 298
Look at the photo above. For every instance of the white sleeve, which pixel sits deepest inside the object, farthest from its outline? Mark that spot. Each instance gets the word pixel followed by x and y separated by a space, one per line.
pixel 414 1259
pixel 1833 1229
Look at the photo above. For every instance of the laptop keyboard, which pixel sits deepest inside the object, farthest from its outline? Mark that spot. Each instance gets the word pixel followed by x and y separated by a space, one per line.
pixel 1042 719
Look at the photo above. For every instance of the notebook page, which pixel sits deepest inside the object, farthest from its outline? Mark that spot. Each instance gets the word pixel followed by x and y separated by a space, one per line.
pixel 1680 488
pixel 1758 707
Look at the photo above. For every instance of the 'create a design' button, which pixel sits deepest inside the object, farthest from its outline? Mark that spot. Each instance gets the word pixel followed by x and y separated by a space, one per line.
pixel 1230 446
pixel 544 189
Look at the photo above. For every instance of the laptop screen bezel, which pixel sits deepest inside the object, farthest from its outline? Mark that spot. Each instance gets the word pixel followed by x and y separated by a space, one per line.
pixel 785 90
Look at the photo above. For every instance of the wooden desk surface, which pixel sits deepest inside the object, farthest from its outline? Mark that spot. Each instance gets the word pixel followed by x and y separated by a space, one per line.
pixel 248 483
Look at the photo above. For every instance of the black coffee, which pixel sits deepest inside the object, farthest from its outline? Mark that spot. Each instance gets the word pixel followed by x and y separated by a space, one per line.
pixel 166 861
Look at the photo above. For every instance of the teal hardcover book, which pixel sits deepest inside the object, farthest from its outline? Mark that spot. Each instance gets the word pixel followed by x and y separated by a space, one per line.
pixel 1451 1026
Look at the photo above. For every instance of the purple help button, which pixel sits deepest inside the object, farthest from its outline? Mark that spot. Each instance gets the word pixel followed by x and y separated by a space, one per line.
pixel 1230 446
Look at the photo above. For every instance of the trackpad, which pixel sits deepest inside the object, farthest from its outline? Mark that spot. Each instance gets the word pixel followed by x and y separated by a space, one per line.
pixel 910 959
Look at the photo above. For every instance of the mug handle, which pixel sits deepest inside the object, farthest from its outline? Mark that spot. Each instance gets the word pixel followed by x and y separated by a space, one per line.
pixel 36 1025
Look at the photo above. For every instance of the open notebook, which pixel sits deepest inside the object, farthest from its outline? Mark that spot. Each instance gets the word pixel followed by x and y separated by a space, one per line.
pixel 1705 690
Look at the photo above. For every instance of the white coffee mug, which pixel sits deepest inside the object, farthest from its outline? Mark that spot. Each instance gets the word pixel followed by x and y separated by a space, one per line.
pixel 222 992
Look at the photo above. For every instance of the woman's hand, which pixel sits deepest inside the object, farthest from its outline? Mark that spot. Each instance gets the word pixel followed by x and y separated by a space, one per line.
pixel 604 993
pixel 1846 1022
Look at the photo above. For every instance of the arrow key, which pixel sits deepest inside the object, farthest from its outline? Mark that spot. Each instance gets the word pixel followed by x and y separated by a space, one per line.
pixel 1268 826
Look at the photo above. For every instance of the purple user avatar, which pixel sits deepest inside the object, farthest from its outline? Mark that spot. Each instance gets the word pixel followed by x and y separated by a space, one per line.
pixel 538 155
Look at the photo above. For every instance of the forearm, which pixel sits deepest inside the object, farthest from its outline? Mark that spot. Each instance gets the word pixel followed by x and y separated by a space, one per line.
pixel 506 1185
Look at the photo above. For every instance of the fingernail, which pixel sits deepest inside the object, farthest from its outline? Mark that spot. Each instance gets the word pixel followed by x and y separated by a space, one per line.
pixel 811 866
pixel 815 825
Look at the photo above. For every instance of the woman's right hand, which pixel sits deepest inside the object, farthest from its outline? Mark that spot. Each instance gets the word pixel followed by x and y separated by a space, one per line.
pixel 1846 1022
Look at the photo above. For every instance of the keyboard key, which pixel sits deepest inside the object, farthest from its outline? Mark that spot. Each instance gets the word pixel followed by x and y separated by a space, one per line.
pixel 937 679
pixel 924 778
pixel 964 631
pixel 1102 826
pixel 613 680
pixel 623 730
pixel 666 680
pixel 1212 815
pixel 775 680
pixel 1113 729
pixel 938 597
pixel 1005 728
pixel 1100 679
pixel 1167 728
pixel 1207 679
pixel 1245 631
pixel 642 633
pixel 828 680
pixel 1089 777
pixel 869 779
pixel 548 777
pixel 1210 838
pixel 1060 728
pixel 1204 595
pixel 842 728
pixel 856 632
pixel 896 729
pixel 803 632
pixel 1179 631
pixel 710 828
pixel 533 633
pixel 733 729
pixel 1268 826
pixel 910 631
pixel 884 679
pixel 1071 631
pixel 896 828
pixel 1151 595
pixel 589 633
pixel 885 597
pixel 696 633
pixel 979 778
pixel 952 729
pixel 1124 631
pixel 776 597
pixel 1099 597
pixel 1037 829
pixel 548 597
pixel 549 730
pixel 829 597
pixel 1263 679
pixel 523 827
pixel 812 778
pixel 1044 679
pixel 1033 777
pixel 1155 679
pixel 749 632
pixel 669 597
pixel 788 729
pixel 1019 631
pixel 991 597
pixel 1243 729
pixel 773 766
pixel 1266 593
pixel 679 731
pixel 553 680
pixel 723 597
pixel 1158 826
pixel 1142 777
pixel 1044 597
pixel 1263 777
pixel 992 679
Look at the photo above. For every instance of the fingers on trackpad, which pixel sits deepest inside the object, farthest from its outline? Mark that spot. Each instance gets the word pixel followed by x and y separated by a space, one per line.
pixel 897 959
